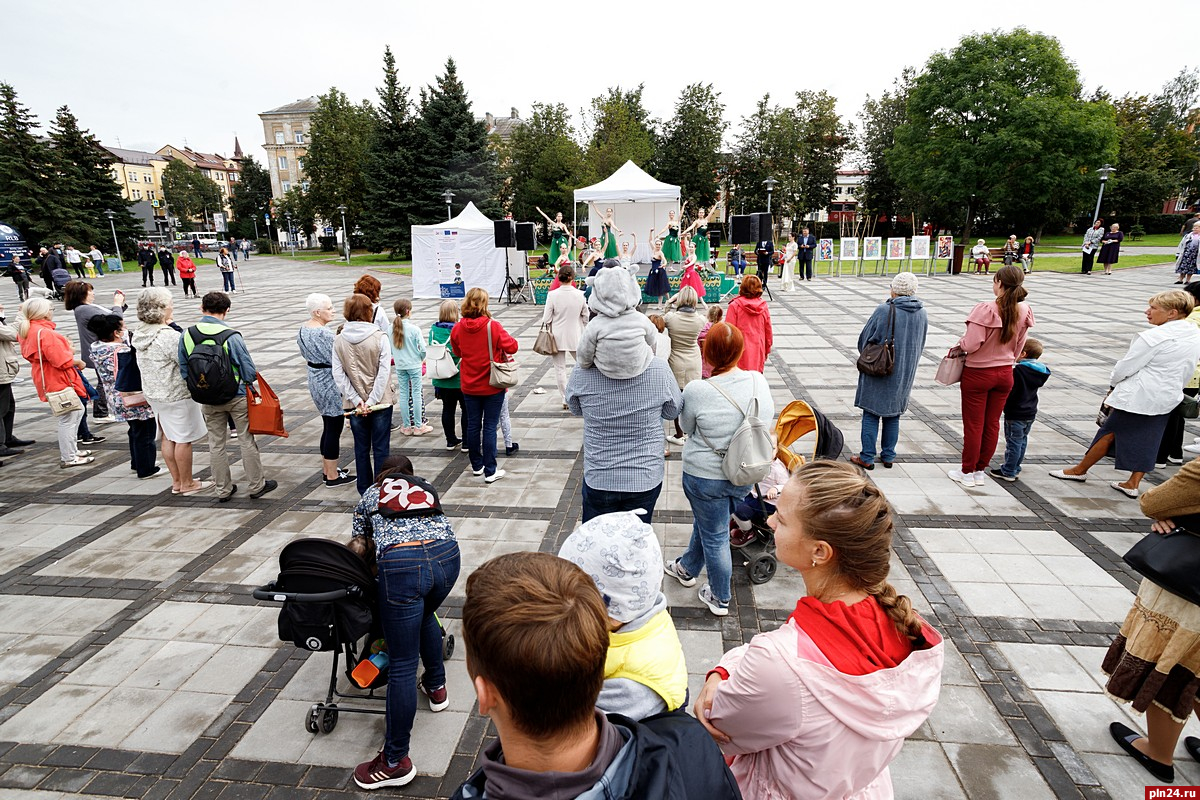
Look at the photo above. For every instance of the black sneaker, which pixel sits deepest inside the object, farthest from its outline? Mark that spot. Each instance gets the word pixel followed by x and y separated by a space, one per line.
pixel 996 473
pixel 91 440
pixel 228 497
pixel 457 443
pixel 508 451
pixel 340 480
pixel 268 486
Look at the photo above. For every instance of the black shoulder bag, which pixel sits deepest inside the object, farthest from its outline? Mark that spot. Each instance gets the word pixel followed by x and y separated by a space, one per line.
pixel 878 359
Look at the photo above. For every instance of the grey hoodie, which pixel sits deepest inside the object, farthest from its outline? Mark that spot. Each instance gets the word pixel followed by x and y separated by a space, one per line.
pixel 619 341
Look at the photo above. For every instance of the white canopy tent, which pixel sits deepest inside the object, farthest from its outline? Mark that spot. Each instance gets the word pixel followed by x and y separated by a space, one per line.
pixel 467 240
pixel 639 203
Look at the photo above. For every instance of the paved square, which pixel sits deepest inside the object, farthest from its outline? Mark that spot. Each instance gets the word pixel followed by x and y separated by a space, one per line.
pixel 134 663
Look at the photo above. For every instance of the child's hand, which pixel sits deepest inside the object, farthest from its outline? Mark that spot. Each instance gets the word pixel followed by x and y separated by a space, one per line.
pixel 703 708
pixel 772 494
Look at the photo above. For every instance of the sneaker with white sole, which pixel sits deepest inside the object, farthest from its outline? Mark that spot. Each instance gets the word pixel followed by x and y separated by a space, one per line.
pixel 477 472
pixel 676 439
pixel 78 462
pixel 1174 460
pixel 376 774
pixel 1191 448
pixel 676 571
pixel 1066 476
pixel 998 474
pixel 980 478
pixel 714 605
pixel 958 476
pixel 495 476
pixel 439 699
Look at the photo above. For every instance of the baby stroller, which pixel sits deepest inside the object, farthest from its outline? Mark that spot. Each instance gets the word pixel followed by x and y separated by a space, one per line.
pixel 329 604
pixel 796 421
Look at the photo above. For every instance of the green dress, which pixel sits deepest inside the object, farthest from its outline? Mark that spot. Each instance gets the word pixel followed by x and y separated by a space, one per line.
pixel 559 241
pixel 610 248
pixel 670 246
pixel 700 245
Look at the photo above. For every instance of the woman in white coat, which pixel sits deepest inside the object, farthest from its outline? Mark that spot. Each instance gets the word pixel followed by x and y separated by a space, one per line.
pixel 789 263
pixel 566 313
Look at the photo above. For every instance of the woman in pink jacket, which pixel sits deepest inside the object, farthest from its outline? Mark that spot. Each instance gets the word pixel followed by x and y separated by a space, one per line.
pixel 819 707
pixel 994 340
pixel 749 314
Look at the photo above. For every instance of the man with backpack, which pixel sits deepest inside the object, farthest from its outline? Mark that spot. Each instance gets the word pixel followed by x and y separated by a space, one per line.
pixel 217 368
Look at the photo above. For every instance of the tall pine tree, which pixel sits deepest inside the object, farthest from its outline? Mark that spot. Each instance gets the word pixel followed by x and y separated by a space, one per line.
pixel 452 152
pixel 26 199
pixel 389 207
pixel 84 170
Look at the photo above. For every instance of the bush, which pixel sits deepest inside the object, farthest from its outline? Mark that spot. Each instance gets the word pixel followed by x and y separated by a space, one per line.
pixel 1136 232
pixel 329 244
pixel 263 247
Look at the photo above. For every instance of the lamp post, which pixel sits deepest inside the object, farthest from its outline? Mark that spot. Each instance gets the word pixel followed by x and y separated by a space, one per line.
pixel 770 183
pixel 116 244
pixel 345 233
pixel 291 234
pixel 1105 171
pixel 448 196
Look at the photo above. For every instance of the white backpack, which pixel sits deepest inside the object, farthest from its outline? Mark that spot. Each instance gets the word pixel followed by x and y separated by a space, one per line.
pixel 748 458
pixel 440 361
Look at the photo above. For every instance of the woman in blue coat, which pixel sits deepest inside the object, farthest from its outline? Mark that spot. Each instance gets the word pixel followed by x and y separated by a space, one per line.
pixel 885 399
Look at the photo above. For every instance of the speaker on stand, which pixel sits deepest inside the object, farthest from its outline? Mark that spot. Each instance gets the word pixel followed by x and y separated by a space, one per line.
pixel 743 230
pixel 520 289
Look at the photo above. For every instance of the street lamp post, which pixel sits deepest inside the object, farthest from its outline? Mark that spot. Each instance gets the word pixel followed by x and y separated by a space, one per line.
pixel 448 196
pixel 1105 171
pixel 291 234
pixel 117 244
pixel 770 183
pixel 345 233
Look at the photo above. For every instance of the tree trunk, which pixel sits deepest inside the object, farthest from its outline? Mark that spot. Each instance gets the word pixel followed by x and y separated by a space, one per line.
pixel 967 228
pixel 1037 234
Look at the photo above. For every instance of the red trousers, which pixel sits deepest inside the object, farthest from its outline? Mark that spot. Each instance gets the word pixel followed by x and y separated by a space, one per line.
pixel 984 392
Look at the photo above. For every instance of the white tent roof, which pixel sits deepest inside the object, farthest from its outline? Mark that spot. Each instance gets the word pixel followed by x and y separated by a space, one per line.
pixel 469 219
pixel 629 184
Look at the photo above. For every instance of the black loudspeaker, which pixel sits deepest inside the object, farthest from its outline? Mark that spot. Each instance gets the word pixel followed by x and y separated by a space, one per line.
pixel 526 236
pixel 762 227
pixel 743 230
pixel 506 233
pixel 714 238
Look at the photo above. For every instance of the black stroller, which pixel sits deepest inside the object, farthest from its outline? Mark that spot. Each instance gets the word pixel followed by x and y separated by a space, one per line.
pixel 796 420
pixel 329 604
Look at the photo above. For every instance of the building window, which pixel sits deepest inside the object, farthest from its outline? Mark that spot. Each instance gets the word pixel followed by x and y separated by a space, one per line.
pixel 1181 204
pixel 150 194
pixel 137 194
pixel 299 137
pixel 278 137
pixel 283 163
pixel 287 186
pixel 147 178
pixel 299 162
pixel 304 186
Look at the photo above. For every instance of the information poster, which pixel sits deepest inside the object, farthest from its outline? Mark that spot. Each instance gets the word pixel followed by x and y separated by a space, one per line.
pixel 849 250
pixel 920 248
pixel 945 246
pixel 448 259
pixel 825 250
pixel 895 249
pixel 872 248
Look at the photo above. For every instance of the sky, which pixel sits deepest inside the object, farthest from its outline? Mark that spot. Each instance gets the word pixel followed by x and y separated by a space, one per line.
pixel 147 74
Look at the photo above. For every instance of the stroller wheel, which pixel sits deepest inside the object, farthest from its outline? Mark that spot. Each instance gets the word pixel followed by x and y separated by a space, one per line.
pixel 312 720
pixel 447 646
pixel 329 719
pixel 761 568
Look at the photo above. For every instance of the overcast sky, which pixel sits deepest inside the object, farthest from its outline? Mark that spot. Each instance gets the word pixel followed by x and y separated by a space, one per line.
pixel 148 74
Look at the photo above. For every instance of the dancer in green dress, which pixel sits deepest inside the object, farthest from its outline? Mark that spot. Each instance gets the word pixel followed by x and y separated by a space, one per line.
pixel 700 245
pixel 611 231
pixel 560 235
pixel 670 237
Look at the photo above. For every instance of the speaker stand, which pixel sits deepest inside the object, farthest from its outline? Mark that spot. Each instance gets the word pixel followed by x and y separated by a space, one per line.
pixel 511 287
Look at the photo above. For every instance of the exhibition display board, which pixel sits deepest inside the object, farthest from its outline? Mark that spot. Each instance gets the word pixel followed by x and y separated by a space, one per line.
pixel 451 257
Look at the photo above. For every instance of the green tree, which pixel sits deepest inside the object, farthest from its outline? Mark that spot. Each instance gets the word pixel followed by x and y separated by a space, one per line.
pixel 190 195
pixel 824 139
pixel 336 161
pixel 880 192
pixel 996 126
pixel 388 214
pixel 298 203
pixel 621 131
pixel 452 152
pixel 251 199
pixel 689 153
pixel 25 200
pixel 543 163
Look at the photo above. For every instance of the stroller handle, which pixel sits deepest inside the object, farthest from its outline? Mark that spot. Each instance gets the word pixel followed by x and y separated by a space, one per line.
pixel 269 592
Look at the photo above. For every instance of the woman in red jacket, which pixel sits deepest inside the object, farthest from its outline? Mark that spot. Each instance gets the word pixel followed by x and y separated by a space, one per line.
pixel 748 313
pixel 187 272
pixel 53 367
pixel 481 401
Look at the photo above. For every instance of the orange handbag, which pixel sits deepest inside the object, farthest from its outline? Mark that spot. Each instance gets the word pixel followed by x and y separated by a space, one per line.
pixel 266 415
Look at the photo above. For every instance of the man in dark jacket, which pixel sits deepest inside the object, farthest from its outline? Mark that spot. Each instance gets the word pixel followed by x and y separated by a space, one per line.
pixel 147 261
pixel 48 261
pixel 764 250
pixel 167 261
pixel 537 631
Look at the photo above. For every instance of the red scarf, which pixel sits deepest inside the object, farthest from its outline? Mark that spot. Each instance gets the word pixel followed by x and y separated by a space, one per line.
pixel 857 639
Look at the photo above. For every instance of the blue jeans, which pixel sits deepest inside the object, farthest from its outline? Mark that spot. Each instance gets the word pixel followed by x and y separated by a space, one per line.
pixel 712 504
pixel 604 501
pixel 482 417
pixel 413 582
pixel 412 414
pixel 870 430
pixel 227 277
pixel 1016 438
pixel 372 435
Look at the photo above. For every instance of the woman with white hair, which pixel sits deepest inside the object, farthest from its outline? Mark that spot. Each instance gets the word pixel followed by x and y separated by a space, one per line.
pixel 315 341
pixel 179 418
pixel 53 367
pixel 901 319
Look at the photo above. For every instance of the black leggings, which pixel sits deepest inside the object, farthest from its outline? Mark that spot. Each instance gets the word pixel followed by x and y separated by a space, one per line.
pixel 331 432
pixel 452 400
pixel 189 282
pixel 1172 439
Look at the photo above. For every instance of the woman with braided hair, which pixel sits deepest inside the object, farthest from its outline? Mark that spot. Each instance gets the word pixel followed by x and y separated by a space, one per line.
pixel 822 705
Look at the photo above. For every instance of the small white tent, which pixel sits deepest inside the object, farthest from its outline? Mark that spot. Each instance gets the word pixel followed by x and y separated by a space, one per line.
pixel 466 242
pixel 639 204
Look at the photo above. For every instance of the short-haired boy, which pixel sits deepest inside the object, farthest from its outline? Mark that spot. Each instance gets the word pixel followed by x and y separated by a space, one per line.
pixel 1029 375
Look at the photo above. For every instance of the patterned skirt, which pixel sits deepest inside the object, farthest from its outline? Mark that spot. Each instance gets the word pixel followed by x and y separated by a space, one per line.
pixel 1156 656
pixel 1187 259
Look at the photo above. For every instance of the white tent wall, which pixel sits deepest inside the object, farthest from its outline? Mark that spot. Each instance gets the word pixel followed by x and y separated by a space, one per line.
pixel 639 203
pixel 482 262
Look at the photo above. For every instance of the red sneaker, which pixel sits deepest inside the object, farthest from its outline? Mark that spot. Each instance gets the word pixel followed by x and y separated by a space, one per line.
pixel 375 774
pixel 439 700
pixel 739 537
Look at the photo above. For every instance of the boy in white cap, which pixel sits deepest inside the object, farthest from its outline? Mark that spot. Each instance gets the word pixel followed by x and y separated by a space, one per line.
pixel 645 672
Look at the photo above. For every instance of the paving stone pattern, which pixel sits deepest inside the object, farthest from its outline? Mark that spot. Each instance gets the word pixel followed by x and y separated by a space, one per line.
pixel 134 662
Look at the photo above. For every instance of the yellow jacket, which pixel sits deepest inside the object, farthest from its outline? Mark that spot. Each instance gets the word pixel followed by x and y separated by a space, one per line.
pixel 651 656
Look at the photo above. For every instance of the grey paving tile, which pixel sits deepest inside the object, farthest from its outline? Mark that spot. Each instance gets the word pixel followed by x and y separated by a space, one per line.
pixel 965 715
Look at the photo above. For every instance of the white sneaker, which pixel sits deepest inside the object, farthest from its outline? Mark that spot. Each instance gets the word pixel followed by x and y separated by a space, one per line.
pixel 495 476
pixel 676 439
pixel 1192 448
pixel 958 476
pixel 980 478
pixel 109 420
pixel 477 472
pixel 714 605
